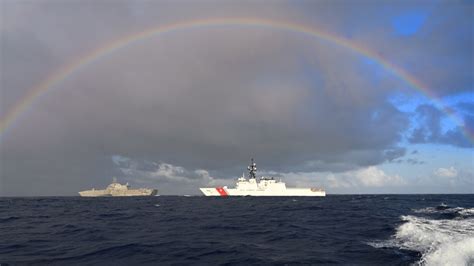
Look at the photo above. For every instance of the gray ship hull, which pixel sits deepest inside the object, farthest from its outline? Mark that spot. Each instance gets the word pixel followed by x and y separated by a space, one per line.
pixel 125 193
pixel 118 190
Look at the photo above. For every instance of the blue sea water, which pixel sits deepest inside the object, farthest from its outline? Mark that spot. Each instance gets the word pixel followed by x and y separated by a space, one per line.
pixel 169 230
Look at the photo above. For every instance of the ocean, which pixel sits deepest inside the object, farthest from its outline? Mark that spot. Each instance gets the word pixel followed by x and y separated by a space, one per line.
pixel 172 230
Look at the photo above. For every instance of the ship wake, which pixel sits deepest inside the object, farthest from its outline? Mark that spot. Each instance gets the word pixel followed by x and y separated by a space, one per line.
pixel 440 241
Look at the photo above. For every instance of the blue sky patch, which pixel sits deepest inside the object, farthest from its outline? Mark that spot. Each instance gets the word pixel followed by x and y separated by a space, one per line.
pixel 409 23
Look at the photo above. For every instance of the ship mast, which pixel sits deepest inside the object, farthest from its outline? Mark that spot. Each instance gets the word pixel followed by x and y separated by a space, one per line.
pixel 252 170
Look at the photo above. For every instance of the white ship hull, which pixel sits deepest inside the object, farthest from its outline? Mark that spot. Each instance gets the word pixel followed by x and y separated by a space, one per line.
pixel 288 192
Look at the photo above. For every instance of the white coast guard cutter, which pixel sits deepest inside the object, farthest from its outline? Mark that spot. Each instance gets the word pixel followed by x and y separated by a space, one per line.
pixel 266 186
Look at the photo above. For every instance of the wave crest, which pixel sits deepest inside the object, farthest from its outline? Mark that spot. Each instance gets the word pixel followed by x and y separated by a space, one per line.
pixel 440 241
pixel 442 209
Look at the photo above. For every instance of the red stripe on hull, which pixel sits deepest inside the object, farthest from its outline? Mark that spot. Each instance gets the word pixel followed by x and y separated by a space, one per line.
pixel 221 191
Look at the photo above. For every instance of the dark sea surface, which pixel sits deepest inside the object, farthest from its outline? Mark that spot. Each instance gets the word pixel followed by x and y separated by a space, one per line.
pixel 337 229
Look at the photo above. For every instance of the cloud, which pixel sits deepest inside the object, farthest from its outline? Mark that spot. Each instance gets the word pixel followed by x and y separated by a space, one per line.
pixel 414 161
pixel 168 178
pixel 120 160
pixel 395 153
pixel 374 177
pixel 368 179
pixel 445 180
pixel 211 97
pixel 428 127
pixel 446 172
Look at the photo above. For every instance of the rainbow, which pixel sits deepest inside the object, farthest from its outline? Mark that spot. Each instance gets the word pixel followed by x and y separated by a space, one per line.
pixel 64 72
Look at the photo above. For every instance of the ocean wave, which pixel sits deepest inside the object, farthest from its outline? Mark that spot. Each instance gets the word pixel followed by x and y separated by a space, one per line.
pixel 441 242
pixel 8 219
pixel 446 209
pixel 258 231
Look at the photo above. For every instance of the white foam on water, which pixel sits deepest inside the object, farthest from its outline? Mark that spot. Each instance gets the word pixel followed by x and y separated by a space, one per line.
pixel 462 212
pixel 441 242
pixel 467 212
pixel 452 253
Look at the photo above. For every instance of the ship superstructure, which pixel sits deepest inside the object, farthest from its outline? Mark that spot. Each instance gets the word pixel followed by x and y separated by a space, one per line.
pixel 116 189
pixel 265 186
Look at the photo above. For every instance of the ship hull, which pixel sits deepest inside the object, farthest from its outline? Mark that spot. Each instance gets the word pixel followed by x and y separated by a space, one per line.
pixel 289 192
pixel 127 193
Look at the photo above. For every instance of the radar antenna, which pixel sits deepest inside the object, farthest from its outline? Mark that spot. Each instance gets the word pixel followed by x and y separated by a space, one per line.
pixel 252 169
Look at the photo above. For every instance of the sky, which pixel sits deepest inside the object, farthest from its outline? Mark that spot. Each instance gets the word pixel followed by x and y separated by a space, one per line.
pixel 189 108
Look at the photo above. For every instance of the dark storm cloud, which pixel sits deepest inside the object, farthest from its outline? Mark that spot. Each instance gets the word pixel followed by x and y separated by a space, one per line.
pixel 412 161
pixel 428 128
pixel 395 153
pixel 206 99
pixel 430 40
pixel 25 59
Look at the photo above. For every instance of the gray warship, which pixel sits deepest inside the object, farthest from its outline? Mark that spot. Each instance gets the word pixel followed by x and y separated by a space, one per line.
pixel 118 190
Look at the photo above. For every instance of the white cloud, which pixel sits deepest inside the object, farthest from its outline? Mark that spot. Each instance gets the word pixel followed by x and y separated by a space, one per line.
pixel 168 178
pixel 119 159
pixel 161 172
pixel 375 177
pixel 170 171
pixel 446 172
pixel 336 182
pixel 369 177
